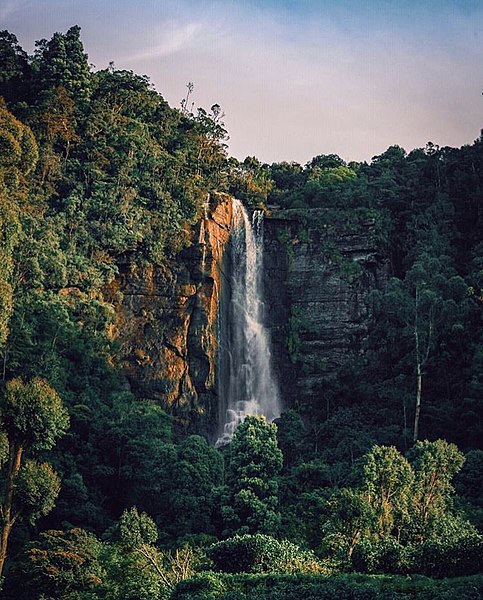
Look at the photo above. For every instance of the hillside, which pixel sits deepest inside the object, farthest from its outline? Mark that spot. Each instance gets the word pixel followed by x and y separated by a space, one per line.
pixel 116 221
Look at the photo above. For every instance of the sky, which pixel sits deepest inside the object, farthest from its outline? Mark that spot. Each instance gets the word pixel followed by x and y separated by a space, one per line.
pixel 294 78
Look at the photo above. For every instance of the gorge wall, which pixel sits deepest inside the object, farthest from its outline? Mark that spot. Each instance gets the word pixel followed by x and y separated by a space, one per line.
pixel 166 323
pixel 320 267
pixel 318 273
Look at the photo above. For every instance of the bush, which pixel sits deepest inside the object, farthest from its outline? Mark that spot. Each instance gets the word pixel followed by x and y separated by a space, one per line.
pixel 262 554
pixel 459 557
pixel 222 586
pixel 385 556
pixel 437 558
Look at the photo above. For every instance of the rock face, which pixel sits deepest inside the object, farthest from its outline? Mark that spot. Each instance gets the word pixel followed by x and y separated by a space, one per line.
pixel 318 276
pixel 167 323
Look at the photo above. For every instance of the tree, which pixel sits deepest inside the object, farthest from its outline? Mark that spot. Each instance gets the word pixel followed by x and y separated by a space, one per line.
pixel 161 571
pixel 32 417
pixel 62 61
pixel 59 564
pixel 400 503
pixel 261 554
pixel 351 518
pixel 18 157
pixel 434 464
pixel 250 181
pixel 195 487
pixel 14 70
pixel 413 316
pixel 291 435
pixel 388 481
pixel 250 503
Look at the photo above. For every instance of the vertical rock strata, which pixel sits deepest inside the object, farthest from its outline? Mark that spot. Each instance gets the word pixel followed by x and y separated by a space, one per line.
pixel 167 322
pixel 319 272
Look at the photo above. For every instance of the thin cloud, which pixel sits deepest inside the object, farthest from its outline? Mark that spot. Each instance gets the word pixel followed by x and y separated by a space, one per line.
pixel 295 79
pixel 175 39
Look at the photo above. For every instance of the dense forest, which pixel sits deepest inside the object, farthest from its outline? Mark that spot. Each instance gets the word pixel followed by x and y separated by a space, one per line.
pixel 103 494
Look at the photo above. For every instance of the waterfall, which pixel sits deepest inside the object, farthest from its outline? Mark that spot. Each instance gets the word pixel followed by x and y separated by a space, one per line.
pixel 246 384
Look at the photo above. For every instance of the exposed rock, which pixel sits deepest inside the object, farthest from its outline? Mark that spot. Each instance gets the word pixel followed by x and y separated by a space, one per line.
pixel 317 278
pixel 167 322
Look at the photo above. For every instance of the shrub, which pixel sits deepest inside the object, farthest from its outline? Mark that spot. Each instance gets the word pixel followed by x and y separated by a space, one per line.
pixel 222 586
pixel 459 557
pixel 262 554
pixel 385 556
pixel 437 558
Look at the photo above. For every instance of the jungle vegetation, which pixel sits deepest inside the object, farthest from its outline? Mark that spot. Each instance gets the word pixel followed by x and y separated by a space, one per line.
pixel 100 494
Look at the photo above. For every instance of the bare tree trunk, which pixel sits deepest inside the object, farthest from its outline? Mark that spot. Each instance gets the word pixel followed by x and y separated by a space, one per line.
pixel 418 400
pixel 418 369
pixel 3 545
pixel 422 355
pixel 8 519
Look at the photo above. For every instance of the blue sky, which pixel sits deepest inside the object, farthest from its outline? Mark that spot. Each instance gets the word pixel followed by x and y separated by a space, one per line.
pixel 295 78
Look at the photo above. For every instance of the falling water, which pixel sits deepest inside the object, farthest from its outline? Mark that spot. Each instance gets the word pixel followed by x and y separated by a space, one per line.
pixel 246 382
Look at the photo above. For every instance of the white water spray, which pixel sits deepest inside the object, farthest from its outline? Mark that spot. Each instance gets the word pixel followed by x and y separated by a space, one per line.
pixel 246 384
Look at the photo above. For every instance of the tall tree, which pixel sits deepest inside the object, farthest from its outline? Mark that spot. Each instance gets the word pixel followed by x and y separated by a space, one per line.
pixel 250 504
pixel 435 464
pixel 413 316
pixel 388 482
pixel 32 417
pixel 62 61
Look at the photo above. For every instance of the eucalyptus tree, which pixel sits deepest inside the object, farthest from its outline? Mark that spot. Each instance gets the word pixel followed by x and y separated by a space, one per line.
pixel 413 317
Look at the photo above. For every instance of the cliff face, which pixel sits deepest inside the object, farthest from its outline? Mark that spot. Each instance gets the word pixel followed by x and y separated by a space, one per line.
pixel 318 275
pixel 167 323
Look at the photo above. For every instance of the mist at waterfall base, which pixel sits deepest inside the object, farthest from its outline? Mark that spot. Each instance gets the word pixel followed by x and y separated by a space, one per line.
pixel 246 383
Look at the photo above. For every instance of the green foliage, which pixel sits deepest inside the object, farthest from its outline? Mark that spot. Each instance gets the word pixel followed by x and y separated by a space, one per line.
pixel 15 67
pixel 220 586
pixel 37 488
pixel 291 435
pixel 144 570
pixel 18 157
pixel 435 464
pixel 437 558
pixel 351 518
pixel 468 487
pixel 32 417
pixel 136 529
pixel 250 181
pixel 60 564
pixel 386 555
pixel 61 61
pixel 399 507
pixel 250 503
pixel 261 554
pixel 32 414
pixel 388 483
pixel 452 558
pixel 195 489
